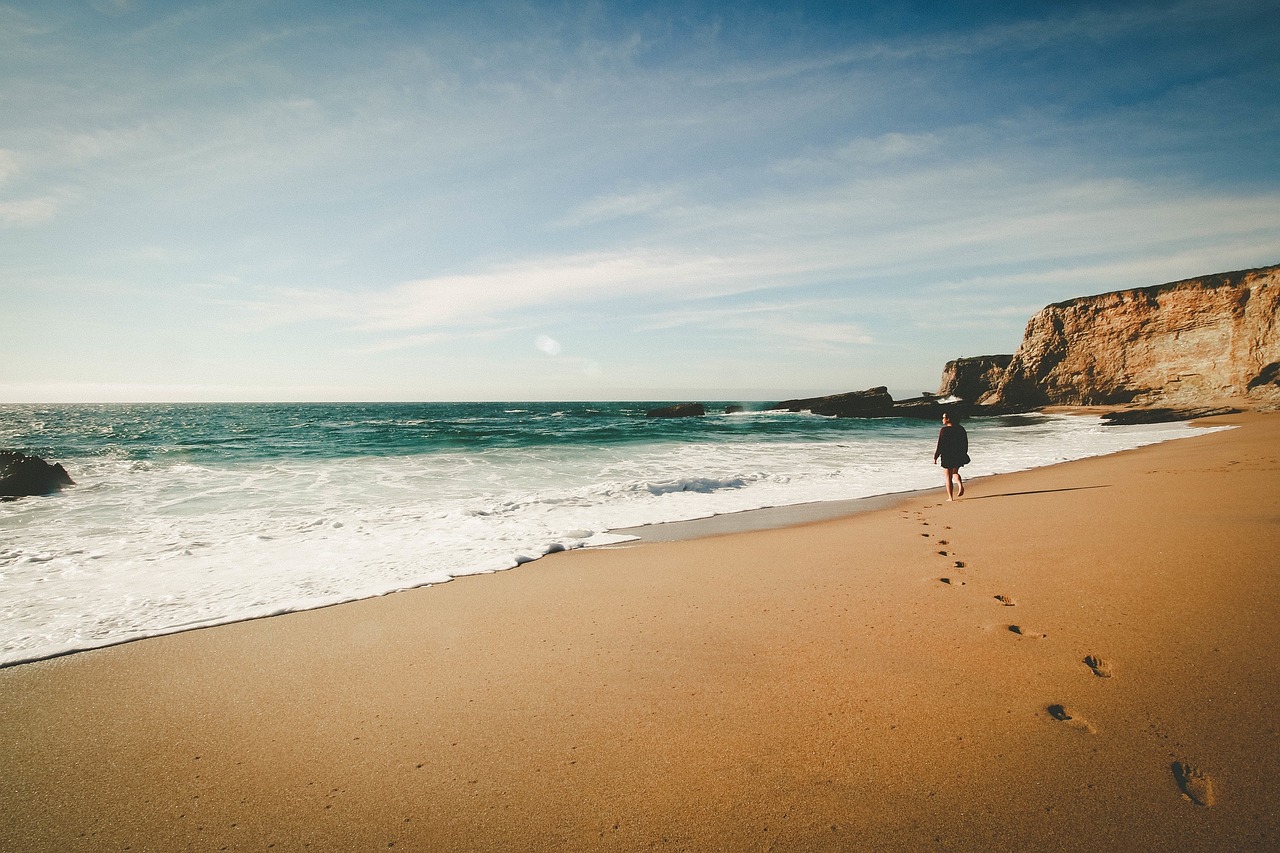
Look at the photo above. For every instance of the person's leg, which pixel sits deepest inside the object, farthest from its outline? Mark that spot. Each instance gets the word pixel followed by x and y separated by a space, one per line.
pixel 959 484
pixel 949 472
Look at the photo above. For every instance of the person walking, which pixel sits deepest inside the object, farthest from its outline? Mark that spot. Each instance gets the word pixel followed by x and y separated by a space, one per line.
pixel 953 450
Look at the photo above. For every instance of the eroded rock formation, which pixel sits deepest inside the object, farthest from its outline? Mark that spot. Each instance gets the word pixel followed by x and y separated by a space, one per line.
pixel 872 403
pixel 972 378
pixel 1184 343
pixel 679 410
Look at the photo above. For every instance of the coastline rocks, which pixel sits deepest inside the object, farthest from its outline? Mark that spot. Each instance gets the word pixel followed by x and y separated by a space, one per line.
pixel 927 408
pixel 1127 417
pixel 875 403
pixel 872 403
pixel 1193 342
pixel 22 475
pixel 972 378
pixel 679 410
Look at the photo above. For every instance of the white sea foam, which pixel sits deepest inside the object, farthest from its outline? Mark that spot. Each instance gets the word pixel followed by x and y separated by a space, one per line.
pixel 141 548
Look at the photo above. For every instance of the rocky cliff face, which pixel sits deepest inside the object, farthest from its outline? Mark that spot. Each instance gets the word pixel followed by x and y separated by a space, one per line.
pixel 1184 343
pixel 971 378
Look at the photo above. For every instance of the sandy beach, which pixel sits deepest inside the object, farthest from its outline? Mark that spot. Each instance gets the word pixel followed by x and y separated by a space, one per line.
pixel 1081 657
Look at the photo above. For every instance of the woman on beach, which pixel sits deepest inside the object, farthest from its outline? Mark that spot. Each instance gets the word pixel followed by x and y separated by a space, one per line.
pixel 953 448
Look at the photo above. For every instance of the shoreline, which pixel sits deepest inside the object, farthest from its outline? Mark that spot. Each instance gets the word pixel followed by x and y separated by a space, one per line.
pixel 726 523
pixel 762 518
pixel 854 682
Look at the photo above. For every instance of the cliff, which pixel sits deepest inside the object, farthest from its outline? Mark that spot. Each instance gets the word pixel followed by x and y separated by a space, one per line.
pixel 971 378
pixel 1183 343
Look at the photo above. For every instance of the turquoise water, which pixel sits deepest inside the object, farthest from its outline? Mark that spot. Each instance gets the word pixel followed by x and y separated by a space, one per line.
pixel 191 515
pixel 236 433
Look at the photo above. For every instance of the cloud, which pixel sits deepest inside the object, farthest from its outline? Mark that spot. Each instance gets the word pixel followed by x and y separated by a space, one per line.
pixel 113 8
pixel 786 322
pixel 978 229
pixel 28 212
pixel 451 299
pixel 617 206
pixel 8 164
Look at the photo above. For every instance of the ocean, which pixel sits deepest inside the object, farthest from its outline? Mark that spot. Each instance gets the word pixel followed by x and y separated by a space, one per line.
pixel 199 514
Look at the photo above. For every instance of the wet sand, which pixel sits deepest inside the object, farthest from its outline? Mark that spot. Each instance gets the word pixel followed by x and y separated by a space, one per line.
pixel 1081 657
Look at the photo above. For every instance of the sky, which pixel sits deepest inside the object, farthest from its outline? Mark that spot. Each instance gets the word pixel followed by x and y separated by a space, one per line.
pixel 303 200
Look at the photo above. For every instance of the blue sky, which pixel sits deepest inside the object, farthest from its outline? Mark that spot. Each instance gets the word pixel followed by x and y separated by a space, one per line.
pixel 416 201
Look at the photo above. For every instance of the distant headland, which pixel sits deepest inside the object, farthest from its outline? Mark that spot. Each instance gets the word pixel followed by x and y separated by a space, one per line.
pixel 1185 348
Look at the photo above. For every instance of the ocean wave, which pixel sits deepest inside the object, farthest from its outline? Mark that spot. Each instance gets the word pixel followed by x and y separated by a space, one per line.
pixel 156 544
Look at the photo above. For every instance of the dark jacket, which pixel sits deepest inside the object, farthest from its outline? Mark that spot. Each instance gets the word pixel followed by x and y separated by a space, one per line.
pixel 953 446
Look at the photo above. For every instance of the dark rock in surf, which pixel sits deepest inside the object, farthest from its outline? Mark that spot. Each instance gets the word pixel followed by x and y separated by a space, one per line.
pixel 1127 417
pixel 22 475
pixel 872 403
pixel 679 410
pixel 927 408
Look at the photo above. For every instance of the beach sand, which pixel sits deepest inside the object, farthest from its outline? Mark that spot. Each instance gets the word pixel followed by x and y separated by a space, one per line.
pixel 851 684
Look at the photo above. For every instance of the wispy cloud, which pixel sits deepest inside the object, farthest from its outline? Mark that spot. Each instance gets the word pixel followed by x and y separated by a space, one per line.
pixel 619 205
pixel 8 164
pixel 27 212
pixel 786 324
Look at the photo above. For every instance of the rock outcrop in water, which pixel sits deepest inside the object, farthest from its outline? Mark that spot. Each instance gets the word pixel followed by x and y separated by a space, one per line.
pixel 679 410
pixel 23 476
pixel 1185 343
pixel 872 403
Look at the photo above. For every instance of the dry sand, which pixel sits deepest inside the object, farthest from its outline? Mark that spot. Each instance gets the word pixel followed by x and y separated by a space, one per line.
pixel 853 684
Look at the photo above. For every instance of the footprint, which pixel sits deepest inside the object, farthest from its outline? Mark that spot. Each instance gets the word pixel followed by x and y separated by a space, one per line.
pixel 1195 785
pixel 952 581
pixel 959 564
pixel 1062 715
pixel 1027 632
pixel 1005 600
pixel 1100 667
pixel 942 553
pixel 925 535
pixel 943 542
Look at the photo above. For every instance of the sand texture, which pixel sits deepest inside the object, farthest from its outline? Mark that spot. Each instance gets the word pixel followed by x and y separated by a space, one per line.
pixel 1082 657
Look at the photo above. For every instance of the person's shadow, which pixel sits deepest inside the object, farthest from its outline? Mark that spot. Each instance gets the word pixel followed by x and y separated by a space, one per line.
pixel 1038 492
